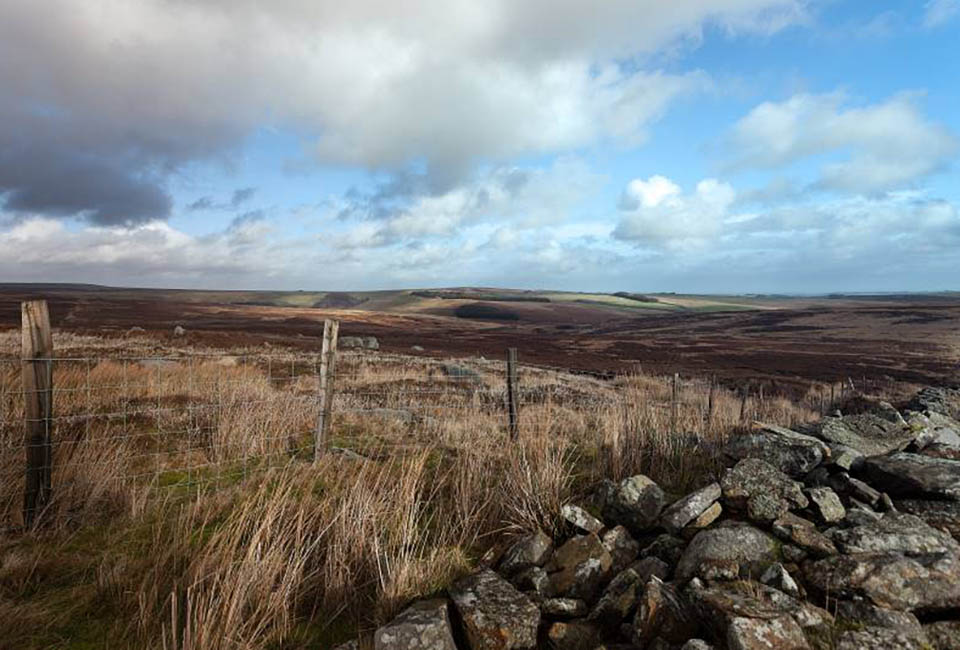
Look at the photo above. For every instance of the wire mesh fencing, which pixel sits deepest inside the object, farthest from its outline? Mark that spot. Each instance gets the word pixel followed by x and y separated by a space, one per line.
pixel 199 420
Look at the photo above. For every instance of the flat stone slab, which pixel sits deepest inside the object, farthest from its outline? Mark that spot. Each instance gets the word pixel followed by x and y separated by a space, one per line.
pixel 495 615
pixel 686 510
pixel 907 475
pixel 425 624
pixel 868 433
pixel 794 454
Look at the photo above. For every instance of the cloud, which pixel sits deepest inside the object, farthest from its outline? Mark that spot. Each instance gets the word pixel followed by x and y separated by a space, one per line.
pixel 132 92
pixel 891 143
pixel 237 199
pixel 656 213
pixel 937 13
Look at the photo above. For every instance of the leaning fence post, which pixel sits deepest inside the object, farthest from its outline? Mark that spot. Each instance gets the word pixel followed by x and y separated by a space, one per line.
pixel 328 360
pixel 674 403
pixel 512 392
pixel 37 376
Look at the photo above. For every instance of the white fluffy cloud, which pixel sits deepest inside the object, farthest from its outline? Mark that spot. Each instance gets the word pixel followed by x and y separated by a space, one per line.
pixel 891 144
pixel 655 212
pixel 102 100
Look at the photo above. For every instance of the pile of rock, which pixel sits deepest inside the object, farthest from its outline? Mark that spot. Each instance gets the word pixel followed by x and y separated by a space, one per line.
pixel 840 536
pixel 358 343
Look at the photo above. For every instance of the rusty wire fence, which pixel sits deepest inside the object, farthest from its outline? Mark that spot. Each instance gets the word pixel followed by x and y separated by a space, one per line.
pixel 123 425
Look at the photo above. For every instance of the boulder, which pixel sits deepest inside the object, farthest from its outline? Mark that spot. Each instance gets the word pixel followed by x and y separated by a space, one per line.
pixel 743 544
pixel 937 400
pixel 914 475
pixel 358 343
pixel 581 518
pixel 579 567
pixel 494 615
pixel 563 607
pixel 686 510
pixel 826 504
pixel 765 508
pixel 572 635
pixel 635 502
pixel 939 514
pixel 882 638
pixel 530 550
pixel 425 624
pixel 803 534
pixel 792 453
pixel 621 546
pixel 765 634
pixel 926 583
pixel 943 635
pixel 846 458
pixel 663 613
pixel 934 428
pixel 179 331
pixel 753 476
pixel 896 532
pixel 869 433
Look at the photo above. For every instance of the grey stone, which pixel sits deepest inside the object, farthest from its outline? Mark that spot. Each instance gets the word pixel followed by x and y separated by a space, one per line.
pixel 621 546
pixel 925 583
pixel 937 400
pixel 869 433
pixel 826 504
pixel 803 534
pixel 846 458
pixel 764 508
pixel 572 635
pixel 864 613
pixel 792 453
pixel 618 599
pixel 581 518
pixel 579 568
pixel 684 511
pixel 422 626
pixel 943 635
pixel 563 607
pixel 765 634
pixel 854 488
pixel 649 567
pixel 533 579
pixel 882 638
pixel 743 544
pixel 530 550
pixel 752 476
pixel 665 547
pixel 897 532
pixel 635 502
pixel 939 514
pixel 779 578
pixel 179 331
pixel 938 450
pixel 706 518
pixel 934 429
pixel 915 475
pixel 663 613
pixel 696 644
pixel 495 616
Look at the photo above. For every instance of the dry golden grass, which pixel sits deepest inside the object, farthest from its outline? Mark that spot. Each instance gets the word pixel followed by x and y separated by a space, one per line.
pixel 186 513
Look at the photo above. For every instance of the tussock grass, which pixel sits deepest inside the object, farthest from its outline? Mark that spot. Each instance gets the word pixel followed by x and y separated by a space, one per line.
pixel 186 513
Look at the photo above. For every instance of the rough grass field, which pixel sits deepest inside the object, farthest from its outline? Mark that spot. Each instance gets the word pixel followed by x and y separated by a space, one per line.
pixel 202 523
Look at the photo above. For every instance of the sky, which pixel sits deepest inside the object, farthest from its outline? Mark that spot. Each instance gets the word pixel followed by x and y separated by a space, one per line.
pixel 721 146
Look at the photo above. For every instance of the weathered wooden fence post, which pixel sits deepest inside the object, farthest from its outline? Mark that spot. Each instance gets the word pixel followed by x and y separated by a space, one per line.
pixel 37 375
pixel 328 362
pixel 512 393
pixel 675 403
pixel 711 400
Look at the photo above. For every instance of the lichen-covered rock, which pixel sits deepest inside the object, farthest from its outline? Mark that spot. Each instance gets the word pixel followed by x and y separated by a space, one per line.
pixel 898 532
pixel 696 644
pixel 686 510
pixel 861 612
pixel 618 599
pixel 495 616
pixel 621 546
pixel 939 514
pixel 869 433
pixel 926 583
pixel 854 488
pixel 651 566
pixel 803 534
pixel 883 638
pixel 746 545
pixel 635 502
pixel 423 625
pixel 846 458
pixel 530 550
pixel 915 475
pixel 826 504
pixel 579 567
pixel 765 508
pixel 765 634
pixel 937 400
pixel 533 579
pixel 934 429
pixel 706 518
pixel 779 578
pixel 563 607
pixel 753 476
pixel 663 613
pixel 665 547
pixel 792 453
pixel 943 635
pixel 573 635
pixel 581 518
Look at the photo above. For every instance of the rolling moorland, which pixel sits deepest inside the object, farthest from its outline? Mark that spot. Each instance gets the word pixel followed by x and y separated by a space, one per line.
pixel 187 513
